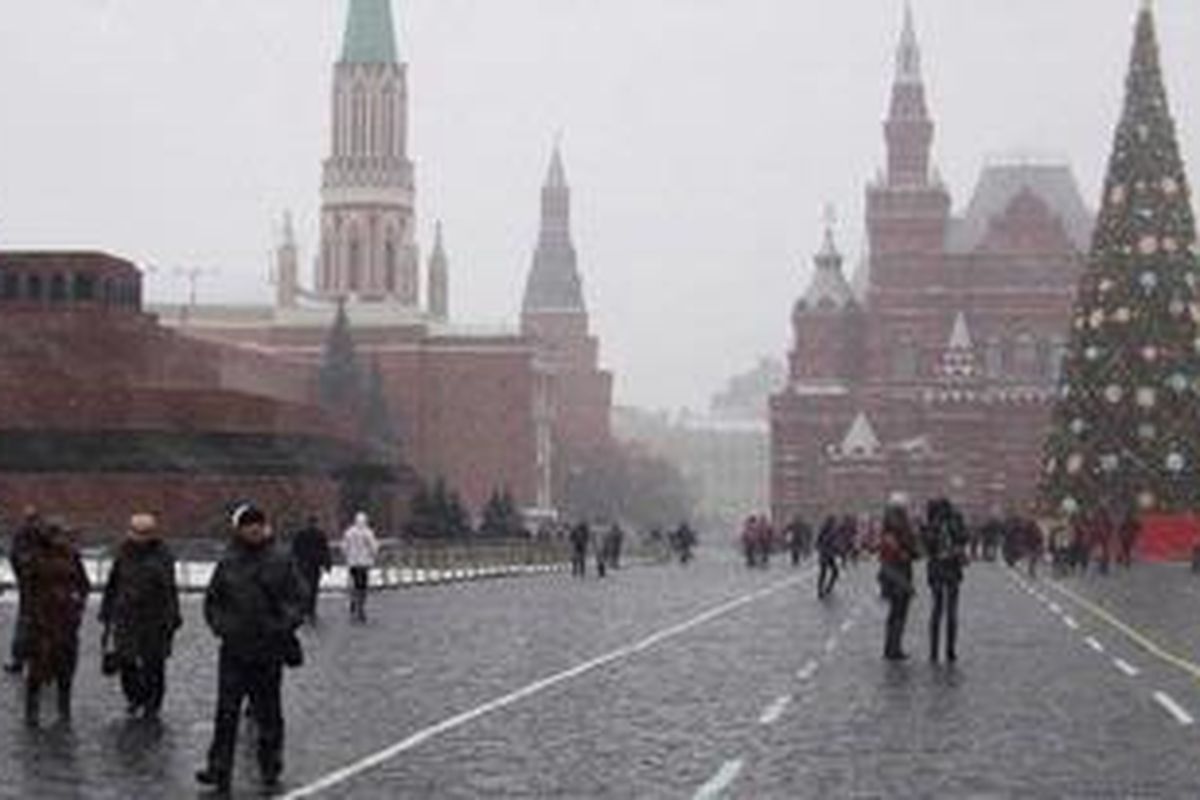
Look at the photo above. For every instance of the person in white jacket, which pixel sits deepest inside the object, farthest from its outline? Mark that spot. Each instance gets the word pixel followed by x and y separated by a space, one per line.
pixel 360 548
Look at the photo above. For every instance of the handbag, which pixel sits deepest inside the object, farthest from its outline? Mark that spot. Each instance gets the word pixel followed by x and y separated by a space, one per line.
pixel 291 651
pixel 110 659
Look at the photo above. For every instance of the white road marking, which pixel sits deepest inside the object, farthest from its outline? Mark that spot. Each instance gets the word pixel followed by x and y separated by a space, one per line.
pixel 808 670
pixel 414 740
pixel 1094 643
pixel 1174 709
pixel 831 644
pixel 1126 667
pixel 774 711
pixel 847 625
pixel 1056 608
pixel 721 781
pixel 1070 622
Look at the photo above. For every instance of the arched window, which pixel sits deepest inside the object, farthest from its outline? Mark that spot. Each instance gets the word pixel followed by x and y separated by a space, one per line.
pixel 904 359
pixel 10 285
pixel 58 288
pixel 354 276
pixel 85 287
pixel 993 358
pixel 33 288
pixel 1025 355
pixel 389 266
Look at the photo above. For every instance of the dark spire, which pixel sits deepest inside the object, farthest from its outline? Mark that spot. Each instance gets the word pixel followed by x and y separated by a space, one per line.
pixel 554 283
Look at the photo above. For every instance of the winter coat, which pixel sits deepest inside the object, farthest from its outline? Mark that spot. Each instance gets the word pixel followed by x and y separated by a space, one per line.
pixel 24 541
pixel 255 601
pixel 141 604
pixel 56 590
pixel 896 554
pixel 945 546
pixel 310 548
pixel 359 546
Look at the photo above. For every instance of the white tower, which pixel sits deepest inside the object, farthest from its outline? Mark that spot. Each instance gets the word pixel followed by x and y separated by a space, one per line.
pixel 367 195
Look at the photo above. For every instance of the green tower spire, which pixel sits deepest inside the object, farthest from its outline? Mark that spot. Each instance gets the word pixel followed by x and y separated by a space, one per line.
pixel 1124 436
pixel 370 34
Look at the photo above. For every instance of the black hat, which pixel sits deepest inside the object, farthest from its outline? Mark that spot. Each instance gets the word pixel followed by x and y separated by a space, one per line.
pixel 247 514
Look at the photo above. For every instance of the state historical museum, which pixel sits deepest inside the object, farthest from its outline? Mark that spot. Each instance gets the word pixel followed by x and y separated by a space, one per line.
pixel 933 369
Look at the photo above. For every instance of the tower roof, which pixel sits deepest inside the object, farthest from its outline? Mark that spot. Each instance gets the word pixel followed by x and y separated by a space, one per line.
pixel 828 290
pixel 370 33
pixel 908 54
pixel 860 439
pixel 556 175
pixel 960 335
pixel 438 257
pixel 999 184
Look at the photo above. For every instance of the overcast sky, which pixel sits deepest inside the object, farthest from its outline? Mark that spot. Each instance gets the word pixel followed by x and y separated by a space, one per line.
pixel 701 137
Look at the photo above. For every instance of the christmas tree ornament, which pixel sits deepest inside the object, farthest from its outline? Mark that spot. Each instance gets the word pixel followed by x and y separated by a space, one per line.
pixel 1070 505
pixel 1109 462
pixel 1113 393
pixel 1078 426
pixel 1170 186
pixel 1092 353
pixel 1148 280
pixel 1147 431
pixel 1175 462
pixel 1116 195
pixel 1122 315
pixel 1146 397
pixel 1150 353
pixel 1146 501
pixel 1074 463
pixel 1178 382
pixel 1148 245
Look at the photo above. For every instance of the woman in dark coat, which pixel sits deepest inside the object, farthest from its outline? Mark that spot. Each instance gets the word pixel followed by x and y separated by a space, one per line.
pixel 57 588
pixel 897 549
pixel 140 614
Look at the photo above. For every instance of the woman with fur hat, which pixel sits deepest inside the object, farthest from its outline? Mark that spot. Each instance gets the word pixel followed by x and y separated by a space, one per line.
pixel 140 614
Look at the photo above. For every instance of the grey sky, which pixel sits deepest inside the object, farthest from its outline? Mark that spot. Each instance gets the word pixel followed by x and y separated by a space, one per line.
pixel 701 138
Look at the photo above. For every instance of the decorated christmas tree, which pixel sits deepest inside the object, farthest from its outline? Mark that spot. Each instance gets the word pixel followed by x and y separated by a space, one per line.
pixel 1126 430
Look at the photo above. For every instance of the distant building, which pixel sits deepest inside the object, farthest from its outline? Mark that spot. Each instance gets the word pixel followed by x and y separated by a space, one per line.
pixel 939 376
pixel 748 396
pixel 725 462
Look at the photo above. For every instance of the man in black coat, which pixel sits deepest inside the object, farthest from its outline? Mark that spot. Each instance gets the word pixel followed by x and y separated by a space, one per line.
pixel 254 604
pixel 24 541
pixel 581 535
pixel 310 548
pixel 140 614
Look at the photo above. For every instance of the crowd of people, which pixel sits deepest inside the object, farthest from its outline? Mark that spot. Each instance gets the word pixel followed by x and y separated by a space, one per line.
pixel 261 591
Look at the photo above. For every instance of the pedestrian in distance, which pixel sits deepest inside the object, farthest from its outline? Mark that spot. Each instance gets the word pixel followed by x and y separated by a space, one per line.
pixel 360 549
pixel 56 588
pixel 1131 530
pixel 24 539
pixel 897 550
pixel 685 542
pixel 580 537
pixel 310 548
pixel 618 543
pixel 945 542
pixel 254 604
pixel 828 552
pixel 140 614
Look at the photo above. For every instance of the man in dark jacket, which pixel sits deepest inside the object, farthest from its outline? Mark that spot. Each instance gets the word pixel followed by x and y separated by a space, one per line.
pixel 254 604
pixel 310 548
pixel 140 614
pixel 827 552
pixel 946 549
pixel 580 537
pixel 20 550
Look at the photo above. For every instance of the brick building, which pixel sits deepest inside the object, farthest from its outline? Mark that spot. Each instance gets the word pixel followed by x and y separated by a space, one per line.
pixel 933 369
pixel 107 412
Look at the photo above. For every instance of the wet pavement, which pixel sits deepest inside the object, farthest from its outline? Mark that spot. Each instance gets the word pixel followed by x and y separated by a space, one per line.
pixel 706 681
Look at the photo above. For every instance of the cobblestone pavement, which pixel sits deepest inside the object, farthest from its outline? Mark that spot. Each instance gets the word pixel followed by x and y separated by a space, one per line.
pixel 670 682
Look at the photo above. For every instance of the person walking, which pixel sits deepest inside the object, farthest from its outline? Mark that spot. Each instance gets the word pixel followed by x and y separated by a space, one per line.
pixel 254 604
pixel 945 548
pixel 360 548
pixel 828 550
pixel 580 536
pixel 798 535
pixel 310 548
pixel 56 587
pixel 897 550
pixel 140 614
pixel 24 539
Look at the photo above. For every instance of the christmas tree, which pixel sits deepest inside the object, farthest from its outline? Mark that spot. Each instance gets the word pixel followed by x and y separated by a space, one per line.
pixel 339 379
pixel 1126 430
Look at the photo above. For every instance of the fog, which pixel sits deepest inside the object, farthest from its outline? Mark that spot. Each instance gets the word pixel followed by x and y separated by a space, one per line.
pixel 701 137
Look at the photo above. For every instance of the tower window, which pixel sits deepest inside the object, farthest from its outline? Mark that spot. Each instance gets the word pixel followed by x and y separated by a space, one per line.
pixel 58 288
pixel 10 285
pixel 355 276
pixel 389 266
pixel 85 287
pixel 33 288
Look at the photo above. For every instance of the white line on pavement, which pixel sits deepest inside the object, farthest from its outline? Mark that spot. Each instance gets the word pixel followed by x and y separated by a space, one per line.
pixel 1126 667
pixel 808 670
pixel 1070 622
pixel 1174 709
pixel 847 625
pixel 774 711
pixel 721 781
pixel 1094 643
pixel 344 774
pixel 831 644
pixel 1056 608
